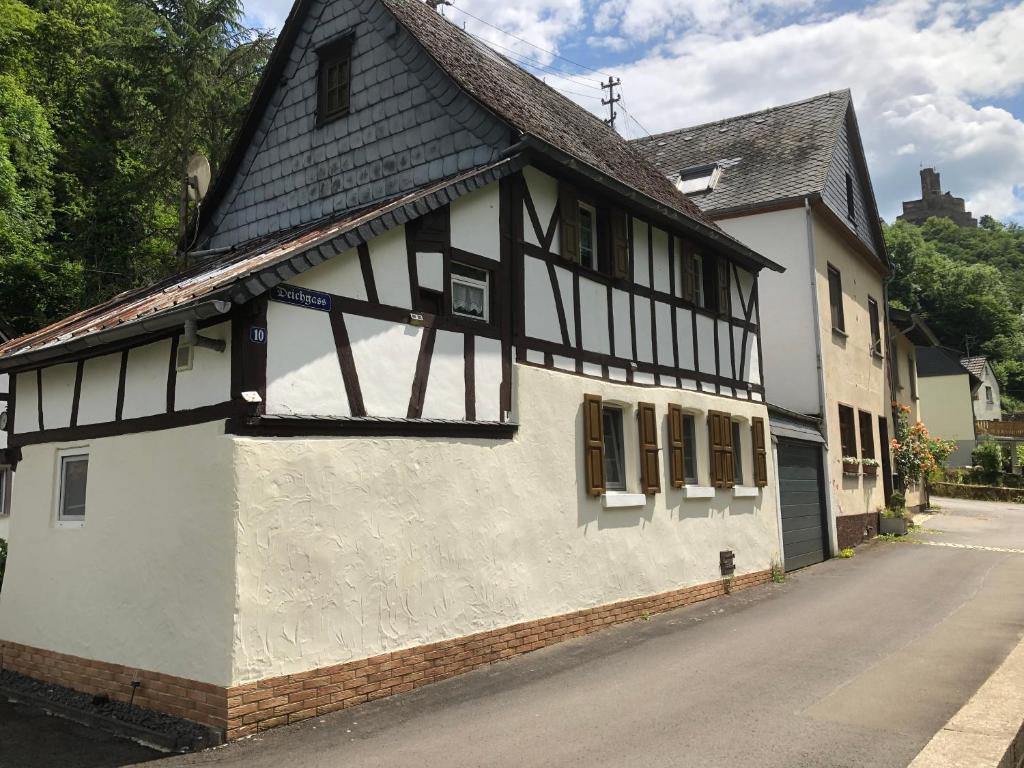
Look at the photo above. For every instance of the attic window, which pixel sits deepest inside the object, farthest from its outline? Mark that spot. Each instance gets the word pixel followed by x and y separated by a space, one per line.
pixel 701 178
pixel 334 79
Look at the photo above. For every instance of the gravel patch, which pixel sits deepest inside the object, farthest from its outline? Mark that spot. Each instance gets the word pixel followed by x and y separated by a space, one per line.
pixel 176 730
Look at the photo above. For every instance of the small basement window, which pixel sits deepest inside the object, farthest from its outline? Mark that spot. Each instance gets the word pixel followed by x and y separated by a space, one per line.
pixel 470 292
pixel 614 449
pixel 73 472
pixel 701 178
pixel 334 78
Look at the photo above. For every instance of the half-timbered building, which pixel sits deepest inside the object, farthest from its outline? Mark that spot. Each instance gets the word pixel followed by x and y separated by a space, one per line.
pixel 457 375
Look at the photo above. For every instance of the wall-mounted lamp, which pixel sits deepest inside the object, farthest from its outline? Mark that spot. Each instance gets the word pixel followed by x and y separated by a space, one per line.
pixel 415 318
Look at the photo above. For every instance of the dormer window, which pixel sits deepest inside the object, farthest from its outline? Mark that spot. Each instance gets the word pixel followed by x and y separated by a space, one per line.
pixel 698 179
pixel 334 79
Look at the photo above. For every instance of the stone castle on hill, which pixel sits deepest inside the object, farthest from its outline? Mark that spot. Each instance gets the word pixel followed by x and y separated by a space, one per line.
pixel 934 202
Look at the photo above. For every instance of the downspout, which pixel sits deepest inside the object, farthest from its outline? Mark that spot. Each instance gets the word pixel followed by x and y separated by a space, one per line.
pixel 819 358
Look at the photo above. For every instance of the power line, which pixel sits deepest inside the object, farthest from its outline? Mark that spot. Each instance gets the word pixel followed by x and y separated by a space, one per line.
pixel 532 45
pixel 525 60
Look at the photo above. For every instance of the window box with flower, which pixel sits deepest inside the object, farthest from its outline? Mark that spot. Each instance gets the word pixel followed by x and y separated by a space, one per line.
pixel 851 465
pixel 870 466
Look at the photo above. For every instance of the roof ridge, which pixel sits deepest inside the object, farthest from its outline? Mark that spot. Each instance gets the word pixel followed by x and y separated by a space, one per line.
pixel 746 115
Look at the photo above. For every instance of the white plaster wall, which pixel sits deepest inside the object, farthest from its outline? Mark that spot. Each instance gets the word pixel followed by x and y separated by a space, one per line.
pixel 209 381
pixel 303 374
pixel 594 316
pixel 644 337
pixel 787 314
pixel 430 270
pixel 59 395
pixel 945 406
pixel 474 223
pixel 390 261
pixel 564 279
pixel 487 376
pixel 544 193
pixel 659 256
pixel 352 547
pixel 705 344
pixel 620 314
pixel 342 276
pixel 26 403
pixel 984 410
pixel 97 402
pixel 148 581
pixel 445 397
pixel 145 381
pixel 663 320
pixel 385 355
pixel 540 316
pixel 743 286
pixel 684 338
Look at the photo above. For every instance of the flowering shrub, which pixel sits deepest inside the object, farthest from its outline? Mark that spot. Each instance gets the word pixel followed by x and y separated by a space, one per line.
pixel 915 452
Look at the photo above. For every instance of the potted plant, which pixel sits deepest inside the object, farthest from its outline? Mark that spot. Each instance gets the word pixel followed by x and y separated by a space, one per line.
pixel 892 522
pixel 870 466
pixel 851 465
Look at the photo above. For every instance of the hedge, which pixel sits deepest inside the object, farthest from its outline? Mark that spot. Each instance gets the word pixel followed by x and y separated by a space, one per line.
pixel 977 492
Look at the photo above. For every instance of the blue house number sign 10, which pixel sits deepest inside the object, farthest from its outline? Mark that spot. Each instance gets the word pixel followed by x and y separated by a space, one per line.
pixel 258 335
pixel 301 297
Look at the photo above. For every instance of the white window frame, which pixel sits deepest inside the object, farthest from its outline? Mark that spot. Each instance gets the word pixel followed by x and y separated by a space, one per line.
pixel 470 282
pixel 593 236
pixel 624 486
pixel 60 520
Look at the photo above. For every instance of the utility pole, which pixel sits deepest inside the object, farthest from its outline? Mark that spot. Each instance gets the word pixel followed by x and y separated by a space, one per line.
pixel 610 86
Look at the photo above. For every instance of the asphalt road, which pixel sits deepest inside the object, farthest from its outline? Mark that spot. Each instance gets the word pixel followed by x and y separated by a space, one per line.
pixel 852 662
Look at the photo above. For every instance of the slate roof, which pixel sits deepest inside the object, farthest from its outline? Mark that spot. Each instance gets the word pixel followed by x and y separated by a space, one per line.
pixel 209 289
pixel 535 108
pixel 975 365
pixel 776 154
pixel 940 361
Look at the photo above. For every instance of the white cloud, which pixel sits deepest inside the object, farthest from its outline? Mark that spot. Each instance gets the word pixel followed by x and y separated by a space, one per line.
pixel 915 69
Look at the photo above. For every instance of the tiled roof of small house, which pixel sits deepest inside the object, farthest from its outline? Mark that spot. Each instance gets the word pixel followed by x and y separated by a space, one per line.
pixel 775 154
pixel 975 365
pixel 210 288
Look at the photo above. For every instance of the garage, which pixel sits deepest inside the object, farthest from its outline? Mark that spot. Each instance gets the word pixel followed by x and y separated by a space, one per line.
pixel 801 490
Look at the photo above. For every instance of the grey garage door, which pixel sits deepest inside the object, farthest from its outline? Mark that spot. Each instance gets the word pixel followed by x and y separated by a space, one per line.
pixel 801 486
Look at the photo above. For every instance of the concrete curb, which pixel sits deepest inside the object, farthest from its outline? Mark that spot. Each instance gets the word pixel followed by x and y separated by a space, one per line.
pixel 988 731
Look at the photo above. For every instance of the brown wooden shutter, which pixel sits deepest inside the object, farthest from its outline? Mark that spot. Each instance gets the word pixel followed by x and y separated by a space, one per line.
pixel 650 480
pixel 720 440
pixel 569 222
pixel 593 444
pixel 724 296
pixel 689 273
pixel 760 452
pixel 677 470
pixel 620 244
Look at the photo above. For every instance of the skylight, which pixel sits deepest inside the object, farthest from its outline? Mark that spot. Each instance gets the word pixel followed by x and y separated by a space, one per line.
pixel 701 178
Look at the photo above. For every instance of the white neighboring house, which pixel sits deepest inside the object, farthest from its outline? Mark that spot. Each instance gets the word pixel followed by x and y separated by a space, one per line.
pixel 987 403
pixel 792 182
pixel 467 378
pixel 6 472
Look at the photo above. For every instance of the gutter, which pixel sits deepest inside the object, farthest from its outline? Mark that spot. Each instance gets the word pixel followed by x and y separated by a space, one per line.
pixel 710 234
pixel 161 321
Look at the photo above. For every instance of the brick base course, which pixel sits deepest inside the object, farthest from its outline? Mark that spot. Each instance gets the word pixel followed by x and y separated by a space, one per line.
pixel 851 530
pixel 189 699
pixel 245 709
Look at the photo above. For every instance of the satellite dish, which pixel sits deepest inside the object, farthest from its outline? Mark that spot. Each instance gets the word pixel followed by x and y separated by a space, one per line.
pixel 198 172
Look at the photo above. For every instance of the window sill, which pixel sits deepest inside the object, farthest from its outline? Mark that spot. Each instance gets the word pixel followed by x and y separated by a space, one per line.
pixel 69 524
pixel 698 492
pixel 840 333
pixel 744 491
pixel 622 500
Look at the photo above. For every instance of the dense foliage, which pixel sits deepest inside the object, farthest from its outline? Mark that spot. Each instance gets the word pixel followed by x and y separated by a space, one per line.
pixel 101 103
pixel 969 285
pixel 915 453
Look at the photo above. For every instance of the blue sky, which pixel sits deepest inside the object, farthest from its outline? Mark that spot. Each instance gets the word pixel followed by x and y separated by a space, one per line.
pixel 935 82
